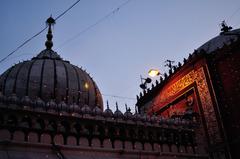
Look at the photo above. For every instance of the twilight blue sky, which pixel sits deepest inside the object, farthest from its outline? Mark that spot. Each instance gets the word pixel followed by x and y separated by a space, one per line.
pixel 140 36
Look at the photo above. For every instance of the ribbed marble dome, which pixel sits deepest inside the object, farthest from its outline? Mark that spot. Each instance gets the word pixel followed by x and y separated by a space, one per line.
pixel 48 76
pixel 225 38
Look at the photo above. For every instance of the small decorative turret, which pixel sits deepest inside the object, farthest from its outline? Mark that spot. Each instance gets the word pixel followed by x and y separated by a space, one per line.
pixel 108 112
pixel 62 106
pixel 136 115
pixel 26 101
pixel 74 108
pixel 118 113
pixel 97 111
pixel 128 114
pixel 39 104
pixel 86 109
pixel 51 105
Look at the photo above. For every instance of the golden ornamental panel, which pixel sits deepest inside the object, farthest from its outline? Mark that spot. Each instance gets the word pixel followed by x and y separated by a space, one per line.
pixel 199 77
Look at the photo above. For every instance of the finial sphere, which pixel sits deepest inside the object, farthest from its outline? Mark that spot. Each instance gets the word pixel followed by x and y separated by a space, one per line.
pixel 50 21
pixel 49 44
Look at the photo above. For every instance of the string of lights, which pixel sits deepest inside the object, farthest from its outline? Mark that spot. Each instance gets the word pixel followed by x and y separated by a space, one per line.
pixel 38 33
pixel 111 13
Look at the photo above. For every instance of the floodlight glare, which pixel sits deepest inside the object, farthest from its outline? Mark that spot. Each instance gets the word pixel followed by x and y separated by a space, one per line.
pixel 153 72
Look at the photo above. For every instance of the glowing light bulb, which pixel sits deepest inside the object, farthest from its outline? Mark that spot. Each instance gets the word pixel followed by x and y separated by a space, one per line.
pixel 153 72
pixel 86 86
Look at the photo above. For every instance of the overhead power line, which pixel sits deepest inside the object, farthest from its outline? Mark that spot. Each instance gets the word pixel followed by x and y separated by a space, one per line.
pixel 116 96
pixel 67 10
pixel 94 24
pixel 35 35
pixel 24 43
pixel 233 14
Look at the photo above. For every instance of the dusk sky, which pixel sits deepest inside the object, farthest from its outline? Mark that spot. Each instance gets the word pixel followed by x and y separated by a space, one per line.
pixel 140 35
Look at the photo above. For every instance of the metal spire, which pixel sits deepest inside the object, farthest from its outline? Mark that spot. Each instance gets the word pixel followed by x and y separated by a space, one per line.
pixel 50 22
pixel 116 106
pixel 107 105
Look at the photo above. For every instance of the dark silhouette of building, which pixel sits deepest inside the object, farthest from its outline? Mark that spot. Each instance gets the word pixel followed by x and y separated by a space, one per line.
pixel 50 108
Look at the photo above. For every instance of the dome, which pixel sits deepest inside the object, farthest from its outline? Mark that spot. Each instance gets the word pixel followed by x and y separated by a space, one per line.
pixel 48 77
pixel 108 112
pixel 225 38
pixel 117 113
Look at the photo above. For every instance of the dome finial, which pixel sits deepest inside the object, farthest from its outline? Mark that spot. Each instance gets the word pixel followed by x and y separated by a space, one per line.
pixel 107 105
pixel 116 106
pixel 225 28
pixel 50 21
pixel 126 107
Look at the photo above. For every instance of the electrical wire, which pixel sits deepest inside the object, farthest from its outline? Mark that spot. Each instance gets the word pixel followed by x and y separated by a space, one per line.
pixel 233 14
pixel 14 57
pixel 67 10
pixel 114 11
pixel 35 35
pixel 24 43
pixel 116 96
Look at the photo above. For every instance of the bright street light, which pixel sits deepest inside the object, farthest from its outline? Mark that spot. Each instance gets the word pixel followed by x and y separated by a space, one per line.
pixel 153 72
